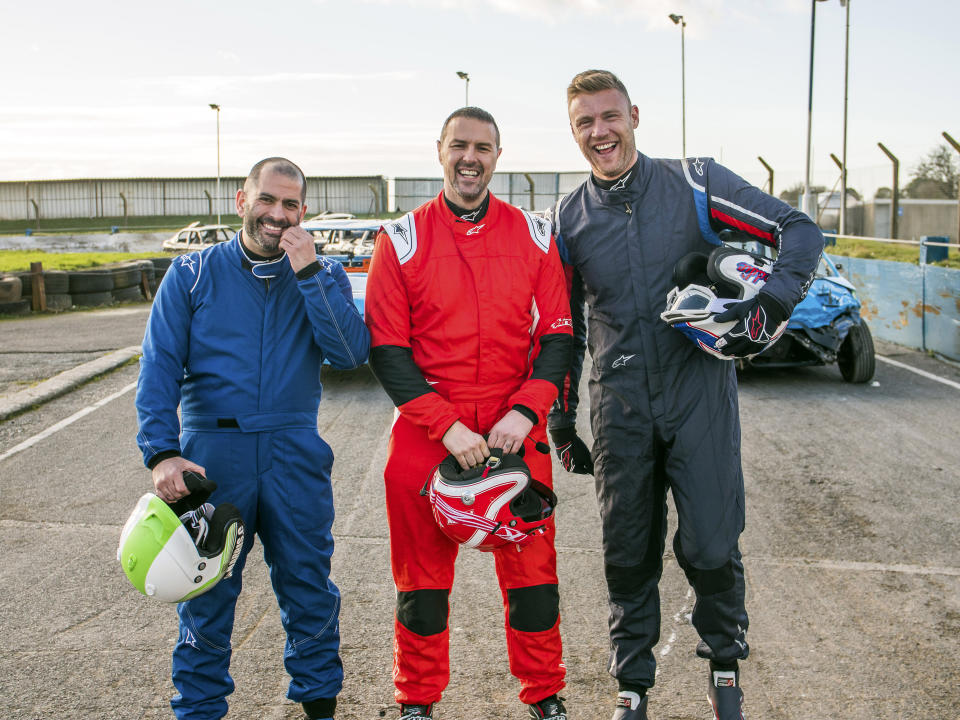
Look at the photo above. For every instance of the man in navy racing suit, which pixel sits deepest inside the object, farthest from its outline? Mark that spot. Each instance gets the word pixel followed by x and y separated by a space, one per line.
pixel 664 414
pixel 236 338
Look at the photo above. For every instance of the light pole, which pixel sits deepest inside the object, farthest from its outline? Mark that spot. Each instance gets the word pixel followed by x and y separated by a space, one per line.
pixel 806 204
pixel 214 106
pixel 466 93
pixel 846 75
pixel 678 20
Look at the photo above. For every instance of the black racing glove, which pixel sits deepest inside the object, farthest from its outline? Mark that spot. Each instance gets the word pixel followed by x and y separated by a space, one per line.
pixel 572 451
pixel 758 322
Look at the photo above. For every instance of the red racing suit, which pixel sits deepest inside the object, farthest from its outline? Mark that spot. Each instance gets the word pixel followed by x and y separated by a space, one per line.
pixel 467 321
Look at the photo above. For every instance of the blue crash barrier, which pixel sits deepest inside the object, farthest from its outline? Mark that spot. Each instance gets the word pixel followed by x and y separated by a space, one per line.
pixel 913 305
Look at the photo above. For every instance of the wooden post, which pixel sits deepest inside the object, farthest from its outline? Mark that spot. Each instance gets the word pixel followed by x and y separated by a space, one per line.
pixel 38 301
pixel 145 285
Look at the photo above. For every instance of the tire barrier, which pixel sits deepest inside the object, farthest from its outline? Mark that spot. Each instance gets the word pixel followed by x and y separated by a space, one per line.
pixel 11 289
pixel 92 299
pixel 18 307
pixel 125 282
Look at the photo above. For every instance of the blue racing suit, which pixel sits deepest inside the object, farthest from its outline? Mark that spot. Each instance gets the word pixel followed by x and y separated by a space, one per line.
pixel 238 345
pixel 664 414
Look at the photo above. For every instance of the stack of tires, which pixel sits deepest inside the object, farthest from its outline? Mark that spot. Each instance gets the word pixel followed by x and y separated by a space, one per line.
pixel 12 301
pixel 84 288
pixel 105 286
pixel 56 287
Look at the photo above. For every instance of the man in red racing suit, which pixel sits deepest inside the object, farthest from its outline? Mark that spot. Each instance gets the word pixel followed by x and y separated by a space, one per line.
pixel 471 333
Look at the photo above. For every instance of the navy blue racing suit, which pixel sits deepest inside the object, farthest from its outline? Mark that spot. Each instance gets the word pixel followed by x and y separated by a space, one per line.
pixel 238 345
pixel 664 414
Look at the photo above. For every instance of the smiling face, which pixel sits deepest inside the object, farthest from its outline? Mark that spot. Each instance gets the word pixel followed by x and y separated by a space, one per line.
pixel 602 124
pixel 269 206
pixel 468 153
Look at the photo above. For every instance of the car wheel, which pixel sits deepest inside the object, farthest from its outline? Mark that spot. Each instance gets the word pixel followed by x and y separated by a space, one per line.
pixel 856 359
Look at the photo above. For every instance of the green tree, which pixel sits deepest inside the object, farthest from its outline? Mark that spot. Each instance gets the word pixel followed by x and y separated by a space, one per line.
pixel 937 176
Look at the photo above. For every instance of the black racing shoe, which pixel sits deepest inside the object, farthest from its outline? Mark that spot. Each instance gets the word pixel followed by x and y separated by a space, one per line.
pixel 550 707
pixel 630 706
pixel 416 711
pixel 724 694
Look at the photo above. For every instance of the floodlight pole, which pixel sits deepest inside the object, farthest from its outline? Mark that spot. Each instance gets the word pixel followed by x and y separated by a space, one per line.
pixel 678 20
pixel 846 76
pixel 466 92
pixel 214 106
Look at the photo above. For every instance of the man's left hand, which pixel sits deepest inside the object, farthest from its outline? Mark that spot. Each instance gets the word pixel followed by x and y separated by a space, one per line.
pixel 298 244
pixel 758 324
pixel 510 432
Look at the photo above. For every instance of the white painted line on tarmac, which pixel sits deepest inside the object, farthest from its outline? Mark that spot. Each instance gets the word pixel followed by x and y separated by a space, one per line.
pixel 924 373
pixel 30 442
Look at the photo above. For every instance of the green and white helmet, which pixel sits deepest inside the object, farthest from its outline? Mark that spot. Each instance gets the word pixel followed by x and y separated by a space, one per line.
pixel 174 553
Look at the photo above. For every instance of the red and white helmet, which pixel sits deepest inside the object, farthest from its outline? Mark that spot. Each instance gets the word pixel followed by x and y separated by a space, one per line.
pixel 495 504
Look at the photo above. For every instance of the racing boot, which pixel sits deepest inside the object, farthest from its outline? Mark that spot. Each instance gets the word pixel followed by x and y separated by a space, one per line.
pixel 630 706
pixel 320 709
pixel 724 694
pixel 549 707
pixel 416 711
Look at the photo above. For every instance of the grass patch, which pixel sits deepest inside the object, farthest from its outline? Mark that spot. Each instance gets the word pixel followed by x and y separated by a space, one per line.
pixel 873 250
pixel 19 260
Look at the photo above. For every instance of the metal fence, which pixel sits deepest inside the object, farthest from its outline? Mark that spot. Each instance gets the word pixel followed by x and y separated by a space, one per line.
pixel 533 191
pixel 138 197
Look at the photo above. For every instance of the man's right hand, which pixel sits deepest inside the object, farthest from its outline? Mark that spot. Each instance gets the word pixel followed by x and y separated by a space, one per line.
pixel 572 451
pixel 168 477
pixel 465 445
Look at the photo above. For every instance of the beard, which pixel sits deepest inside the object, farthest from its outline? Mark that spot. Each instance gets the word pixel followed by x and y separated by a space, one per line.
pixel 265 243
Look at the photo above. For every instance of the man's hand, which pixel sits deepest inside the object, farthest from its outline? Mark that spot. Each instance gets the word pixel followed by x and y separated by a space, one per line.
pixel 168 477
pixel 572 451
pixel 510 432
pixel 298 244
pixel 465 445
pixel 758 324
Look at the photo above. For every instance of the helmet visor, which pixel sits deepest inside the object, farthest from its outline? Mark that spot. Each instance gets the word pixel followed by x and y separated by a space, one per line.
pixel 691 303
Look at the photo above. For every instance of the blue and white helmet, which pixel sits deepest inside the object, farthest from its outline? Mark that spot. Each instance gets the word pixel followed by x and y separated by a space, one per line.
pixel 706 285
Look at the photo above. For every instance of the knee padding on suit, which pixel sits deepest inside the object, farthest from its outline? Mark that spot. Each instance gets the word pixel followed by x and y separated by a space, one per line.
pixel 628 581
pixel 533 609
pixel 423 612
pixel 705 582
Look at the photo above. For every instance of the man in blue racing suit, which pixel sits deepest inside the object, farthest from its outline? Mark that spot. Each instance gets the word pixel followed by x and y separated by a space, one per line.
pixel 236 338
pixel 664 414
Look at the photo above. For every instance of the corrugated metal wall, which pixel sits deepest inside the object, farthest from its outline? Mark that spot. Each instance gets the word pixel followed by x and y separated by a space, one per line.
pixel 173 196
pixel 514 188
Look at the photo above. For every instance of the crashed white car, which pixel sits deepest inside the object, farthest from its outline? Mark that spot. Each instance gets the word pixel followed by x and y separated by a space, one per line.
pixel 197 237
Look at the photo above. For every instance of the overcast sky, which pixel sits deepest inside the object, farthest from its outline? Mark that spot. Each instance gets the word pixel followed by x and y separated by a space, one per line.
pixel 104 89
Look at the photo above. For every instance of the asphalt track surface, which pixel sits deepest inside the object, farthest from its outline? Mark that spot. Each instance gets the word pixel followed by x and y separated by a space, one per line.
pixel 853 582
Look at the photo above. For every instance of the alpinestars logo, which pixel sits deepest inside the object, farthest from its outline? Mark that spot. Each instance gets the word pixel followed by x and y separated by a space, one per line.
pixel 541 225
pixel 188 261
pixel 401 231
pixel 754 327
pixel 622 182
pixel 189 639
pixel 476 229
pixel 471 216
pixel 698 166
pixel 623 360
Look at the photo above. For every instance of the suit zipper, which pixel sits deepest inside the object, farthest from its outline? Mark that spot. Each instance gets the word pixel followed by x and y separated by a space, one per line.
pixel 627 208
